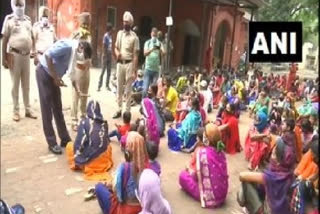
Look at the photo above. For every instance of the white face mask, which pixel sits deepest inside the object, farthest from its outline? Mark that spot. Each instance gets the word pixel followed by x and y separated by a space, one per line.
pixel 19 11
pixel 44 21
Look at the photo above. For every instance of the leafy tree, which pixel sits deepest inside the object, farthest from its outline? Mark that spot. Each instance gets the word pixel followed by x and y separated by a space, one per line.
pixel 293 10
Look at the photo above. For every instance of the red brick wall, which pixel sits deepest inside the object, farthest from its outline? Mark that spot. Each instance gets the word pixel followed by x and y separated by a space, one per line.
pixel 65 12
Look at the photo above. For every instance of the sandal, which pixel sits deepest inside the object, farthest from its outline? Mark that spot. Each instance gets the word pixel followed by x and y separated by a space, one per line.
pixel 90 195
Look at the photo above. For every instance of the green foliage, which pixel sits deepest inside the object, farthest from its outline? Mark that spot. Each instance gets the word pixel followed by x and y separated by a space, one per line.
pixel 293 10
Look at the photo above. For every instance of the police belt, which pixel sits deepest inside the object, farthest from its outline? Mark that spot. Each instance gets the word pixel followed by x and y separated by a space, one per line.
pixel 24 53
pixel 124 61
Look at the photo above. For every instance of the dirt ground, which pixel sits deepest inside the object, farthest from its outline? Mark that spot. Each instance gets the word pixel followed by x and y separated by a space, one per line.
pixel 30 175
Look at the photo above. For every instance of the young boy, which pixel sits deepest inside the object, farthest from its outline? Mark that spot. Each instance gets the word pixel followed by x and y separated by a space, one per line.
pixel 122 129
pixel 152 150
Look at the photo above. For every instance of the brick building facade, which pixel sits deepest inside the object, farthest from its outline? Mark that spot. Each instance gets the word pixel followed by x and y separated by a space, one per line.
pixel 197 25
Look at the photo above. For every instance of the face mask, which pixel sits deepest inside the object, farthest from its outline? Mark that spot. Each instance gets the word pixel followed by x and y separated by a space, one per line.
pixel 126 27
pixel 19 11
pixel 44 21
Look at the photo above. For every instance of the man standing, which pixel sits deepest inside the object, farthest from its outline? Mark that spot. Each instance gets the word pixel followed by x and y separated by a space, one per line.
pixel 52 66
pixel 16 47
pixel 127 52
pixel 43 33
pixel 106 57
pixel 152 51
pixel 80 73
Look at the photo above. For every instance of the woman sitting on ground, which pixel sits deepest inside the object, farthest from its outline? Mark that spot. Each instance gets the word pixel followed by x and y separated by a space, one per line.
pixel 185 135
pixel 229 128
pixel 149 194
pixel 121 197
pixel 274 183
pixel 206 178
pixel 257 143
pixel 151 121
pixel 91 151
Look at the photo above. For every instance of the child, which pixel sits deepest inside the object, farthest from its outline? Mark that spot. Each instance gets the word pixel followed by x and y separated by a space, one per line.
pixel 152 149
pixel 122 130
pixel 137 88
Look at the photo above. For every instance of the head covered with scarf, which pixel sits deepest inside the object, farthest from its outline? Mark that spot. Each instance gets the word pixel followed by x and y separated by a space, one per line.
pixel 136 147
pixel 152 123
pixel 278 177
pixel 150 195
pixel 92 136
pixel 261 121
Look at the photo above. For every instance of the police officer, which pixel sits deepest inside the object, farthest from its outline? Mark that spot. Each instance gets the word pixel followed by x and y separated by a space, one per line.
pixel 43 33
pixel 17 45
pixel 127 52
pixel 80 74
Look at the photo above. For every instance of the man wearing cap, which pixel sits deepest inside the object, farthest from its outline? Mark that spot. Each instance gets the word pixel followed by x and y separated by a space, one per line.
pixel 16 47
pixel 106 57
pixel 152 51
pixel 43 33
pixel 127 52
pixel 80 71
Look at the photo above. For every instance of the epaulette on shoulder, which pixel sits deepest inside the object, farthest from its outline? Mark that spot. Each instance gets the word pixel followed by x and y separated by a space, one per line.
pixel 27 18
pixel 10 16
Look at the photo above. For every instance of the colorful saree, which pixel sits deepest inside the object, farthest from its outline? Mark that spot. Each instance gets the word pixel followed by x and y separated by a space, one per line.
pixel 209 184
pixel 257 150
pixel 153 125
pixel 230 136
pixel 115 201
pixel 216 91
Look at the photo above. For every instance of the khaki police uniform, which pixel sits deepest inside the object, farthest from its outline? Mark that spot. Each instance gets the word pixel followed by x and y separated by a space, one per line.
pixel 128 45
pixel 19 34
pixel 43 36
pixel 81 77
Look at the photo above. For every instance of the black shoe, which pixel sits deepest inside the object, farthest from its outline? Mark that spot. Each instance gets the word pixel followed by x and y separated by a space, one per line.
pixel 98 89
pixel 108 88
pixel 63 144
pixel 117 115
pixel 56 149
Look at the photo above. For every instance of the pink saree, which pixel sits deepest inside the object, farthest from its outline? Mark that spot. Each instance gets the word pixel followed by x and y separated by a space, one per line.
pixel 209 184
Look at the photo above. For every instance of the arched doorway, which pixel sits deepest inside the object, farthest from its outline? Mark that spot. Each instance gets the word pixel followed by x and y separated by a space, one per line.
pixel 191 45
pixel 221 37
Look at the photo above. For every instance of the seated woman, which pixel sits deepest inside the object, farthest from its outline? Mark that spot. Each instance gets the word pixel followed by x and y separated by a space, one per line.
pixel 222 106
pixel 234 99
pixel 184 137
pixel 152 94
pixel 152 128
pixel 217 90
pixel 307 168
pixel 206 180
pixel 91 151
pixel 229 128
pixel 257 145
pixel 121 197
pixel 262 101
pixel 306 134
pixel 149 194
pixel 268 190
